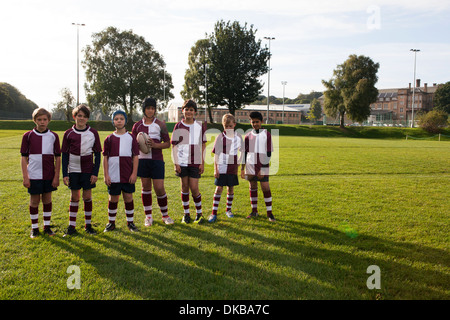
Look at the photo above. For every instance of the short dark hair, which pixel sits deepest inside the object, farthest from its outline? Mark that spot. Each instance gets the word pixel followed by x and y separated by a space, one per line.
pixel 189 104
pixel 148 102
pixel 256 115
pixel 83 108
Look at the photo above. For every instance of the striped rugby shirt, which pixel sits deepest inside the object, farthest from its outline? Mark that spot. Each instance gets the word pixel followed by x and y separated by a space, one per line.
pixel 41 148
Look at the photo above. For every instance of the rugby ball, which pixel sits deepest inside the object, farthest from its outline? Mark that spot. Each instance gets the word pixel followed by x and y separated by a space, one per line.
pixel 142 139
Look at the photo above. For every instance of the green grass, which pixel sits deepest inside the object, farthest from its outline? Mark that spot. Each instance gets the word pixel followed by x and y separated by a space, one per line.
pixel 342 204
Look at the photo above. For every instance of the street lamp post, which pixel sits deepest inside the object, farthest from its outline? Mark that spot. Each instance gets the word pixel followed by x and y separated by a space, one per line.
pixel 414 87
pixel 284 84
pixel 268 84
pixel 78 59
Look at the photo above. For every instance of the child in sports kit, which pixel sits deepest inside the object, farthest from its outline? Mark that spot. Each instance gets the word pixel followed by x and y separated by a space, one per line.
pixel 151 168
pixel 40 162
pixel 255 167
pixel 189 142
pixel 81 152
pixel 226 162
pixel 120 164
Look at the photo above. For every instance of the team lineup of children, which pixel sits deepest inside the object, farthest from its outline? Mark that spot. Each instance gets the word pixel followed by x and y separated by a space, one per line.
pixel 79 160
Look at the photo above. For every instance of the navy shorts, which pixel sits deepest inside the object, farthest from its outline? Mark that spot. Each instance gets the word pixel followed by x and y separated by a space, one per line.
pixel 191 172
pixel 78 180
pixel 148 168
pixel 40 187
pixel 115 189
pixel 228 180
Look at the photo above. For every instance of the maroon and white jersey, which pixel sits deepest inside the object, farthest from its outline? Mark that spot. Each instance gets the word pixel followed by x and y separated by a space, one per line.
pixel 257 145
pixel 157 131
pixel 80 145
pixel 226 149
pixel 189 139
pixel 41 149
pixel 120 150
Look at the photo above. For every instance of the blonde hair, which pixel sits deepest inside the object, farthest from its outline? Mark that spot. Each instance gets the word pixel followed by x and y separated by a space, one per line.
pixel 41 112
pixel 227 118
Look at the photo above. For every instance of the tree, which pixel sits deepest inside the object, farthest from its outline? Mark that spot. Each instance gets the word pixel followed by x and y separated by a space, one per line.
pixel 65 105
pixel 315 111
pixel 352 89
pixel 13 103
pixel 433 121
pixel 442 98
pixel 236 61
pixel 194 78
pixel 122 69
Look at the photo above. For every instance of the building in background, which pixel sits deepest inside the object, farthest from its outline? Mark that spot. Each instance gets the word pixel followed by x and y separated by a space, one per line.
pixel 293 113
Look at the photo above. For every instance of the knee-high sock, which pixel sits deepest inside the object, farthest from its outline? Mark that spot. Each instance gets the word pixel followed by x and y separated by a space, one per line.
pixel 162 202
pixel 73 210
pixel 47 208
pixel 112 211
pixel 147 202
pixel 216 202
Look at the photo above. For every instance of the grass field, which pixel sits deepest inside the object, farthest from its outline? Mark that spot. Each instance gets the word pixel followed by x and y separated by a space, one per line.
pixel 341 205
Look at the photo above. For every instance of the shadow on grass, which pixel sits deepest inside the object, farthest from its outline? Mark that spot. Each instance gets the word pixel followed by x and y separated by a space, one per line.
pixel 230 261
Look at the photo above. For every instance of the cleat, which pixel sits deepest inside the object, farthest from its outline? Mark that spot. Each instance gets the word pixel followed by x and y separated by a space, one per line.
pixel 229 214
pixel 212 218
pixel 252 215
pixel 34 233
pixel 199 219
pixel 48 231
pixel 70 231
pixel 110 227
pixel 148 221
pixel 167 220
pixel 271 218
pixel 132 227
pixel 89 229
pixel 186 219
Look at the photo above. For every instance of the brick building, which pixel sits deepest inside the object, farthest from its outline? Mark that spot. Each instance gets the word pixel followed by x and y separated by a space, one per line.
pixel 394 106
pixel 290 114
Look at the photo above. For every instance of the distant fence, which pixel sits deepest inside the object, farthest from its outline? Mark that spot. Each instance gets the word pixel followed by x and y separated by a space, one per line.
pixel 10 115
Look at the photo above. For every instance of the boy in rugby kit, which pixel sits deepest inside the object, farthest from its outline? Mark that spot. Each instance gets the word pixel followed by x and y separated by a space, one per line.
pixel 151 168
pixel 255 167
pixel 40 162
pixel 226 148
pixel 189 142
pixel 120 165
pixel 81 152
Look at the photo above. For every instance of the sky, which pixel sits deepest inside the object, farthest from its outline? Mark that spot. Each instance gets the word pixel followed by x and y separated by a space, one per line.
pixel 38 53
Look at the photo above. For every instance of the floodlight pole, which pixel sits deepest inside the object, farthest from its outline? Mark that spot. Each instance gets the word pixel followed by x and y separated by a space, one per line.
pixel 268 84
pixel 78 59
pixel 284 84
pixel 414 87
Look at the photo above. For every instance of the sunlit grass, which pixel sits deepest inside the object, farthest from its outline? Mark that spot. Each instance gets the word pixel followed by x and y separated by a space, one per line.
pixel 341 205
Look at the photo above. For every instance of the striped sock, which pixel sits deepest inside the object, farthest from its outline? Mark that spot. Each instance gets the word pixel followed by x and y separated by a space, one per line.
pixel 254 199
pixel 47 208
pixel 73 210
pixel 87 211
pixel 185 202
pixel 162 202
pixel 129 210
pixel 198 203
pixel 268 201
pixel 147 202
pixel 230 198
pixel 112 212
pixel 34 216
pixel 216 203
